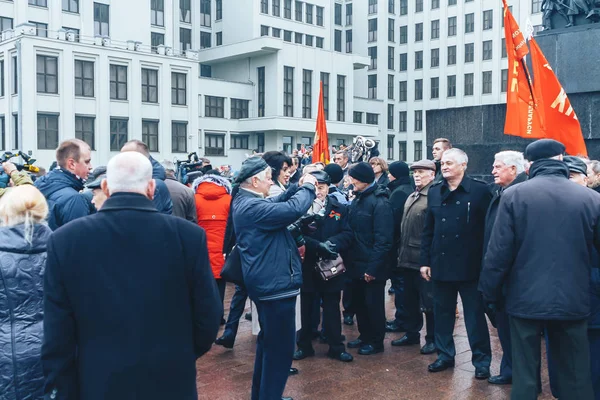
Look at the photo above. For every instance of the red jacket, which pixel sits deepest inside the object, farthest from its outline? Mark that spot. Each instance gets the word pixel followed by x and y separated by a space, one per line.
pixel 213 199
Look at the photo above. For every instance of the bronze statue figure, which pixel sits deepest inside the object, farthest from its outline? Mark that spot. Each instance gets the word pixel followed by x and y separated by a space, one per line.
pixel 549 7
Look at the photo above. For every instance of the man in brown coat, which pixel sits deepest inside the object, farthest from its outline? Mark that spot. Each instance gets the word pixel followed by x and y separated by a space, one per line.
pixel 415 287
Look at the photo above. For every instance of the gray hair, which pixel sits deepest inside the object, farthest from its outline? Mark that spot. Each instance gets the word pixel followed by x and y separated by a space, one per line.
pixel 168 165
pixel 261 176
pixel 128 172
pixel 512 159
pixel 594 165
pixel 457 155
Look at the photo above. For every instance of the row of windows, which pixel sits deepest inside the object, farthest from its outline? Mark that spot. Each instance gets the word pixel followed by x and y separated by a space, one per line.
pixel 185 39
pixel 403 5
pixel 402 156
pixel 289 36
pixel 303 12
pixel 214 107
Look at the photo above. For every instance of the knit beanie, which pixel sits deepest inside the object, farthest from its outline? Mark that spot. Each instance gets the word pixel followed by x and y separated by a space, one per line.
pixel 335 172
pixel 398 169
pixel 362 172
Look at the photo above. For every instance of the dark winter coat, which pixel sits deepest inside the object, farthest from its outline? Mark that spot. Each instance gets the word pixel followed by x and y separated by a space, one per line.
pixel 334 228
pixel 372 222
pixel 21 312
pixel 182 197
pixel 594 320
pixel 452 241
pixel 542 246
pixel 162 198
pixel 271 264
pixel 413 222
pixel 130 303
pixel 400 189
pixel 62 192
pixel 383 180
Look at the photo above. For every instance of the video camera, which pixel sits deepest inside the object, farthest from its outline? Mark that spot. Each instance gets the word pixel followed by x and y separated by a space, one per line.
pixel 27 165
pixel 302 224
pixel 192 163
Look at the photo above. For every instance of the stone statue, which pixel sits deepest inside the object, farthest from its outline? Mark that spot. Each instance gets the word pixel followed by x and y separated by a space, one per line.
pixel 549 7
pixel 576 7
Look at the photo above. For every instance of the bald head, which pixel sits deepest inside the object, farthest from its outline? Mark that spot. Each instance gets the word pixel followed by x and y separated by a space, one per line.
pixel 129 172
pixel 137 146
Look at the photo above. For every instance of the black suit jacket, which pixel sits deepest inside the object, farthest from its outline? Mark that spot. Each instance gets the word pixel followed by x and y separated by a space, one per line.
pixel 130 303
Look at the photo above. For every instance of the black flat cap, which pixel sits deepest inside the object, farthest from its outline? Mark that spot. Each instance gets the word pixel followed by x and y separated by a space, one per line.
pixel 251 167
pixel 322 177
pixel 543 148
pixel 575 164
pixel 95 179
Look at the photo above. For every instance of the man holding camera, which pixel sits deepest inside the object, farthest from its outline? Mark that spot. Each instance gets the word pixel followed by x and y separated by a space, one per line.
pixel 12 174
pixel 271 267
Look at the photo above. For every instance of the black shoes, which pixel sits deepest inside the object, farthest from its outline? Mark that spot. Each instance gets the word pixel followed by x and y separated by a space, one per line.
pixel 429 348
pixel 355 344
pixel 301 354
pixel 482 372
pixel 293 371
pixel 368 349
pixel 225 341
pixel 343 356
pixel 393 327
pixel 348 320
pixel 440 365
pixel 248 316
pixel 406 341
pixel 499 380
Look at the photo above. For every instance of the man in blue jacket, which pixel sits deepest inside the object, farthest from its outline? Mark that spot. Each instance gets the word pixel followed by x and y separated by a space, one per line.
pixel 62 186
pixel 272 268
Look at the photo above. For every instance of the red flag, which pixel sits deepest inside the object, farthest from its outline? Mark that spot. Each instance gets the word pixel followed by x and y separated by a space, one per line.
pixel 523 116
pixel 321 147
pixel 560 119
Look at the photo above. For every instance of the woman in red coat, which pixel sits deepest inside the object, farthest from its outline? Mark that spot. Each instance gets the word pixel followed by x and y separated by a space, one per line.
pixel 213 199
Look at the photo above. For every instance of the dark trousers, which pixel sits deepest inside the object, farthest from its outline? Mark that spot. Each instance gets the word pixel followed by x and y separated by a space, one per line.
pixel 568 344
pixel 236 309
pixel 274 348
pixel 444 311
pixel 594 338
pixel 503 325
pixel 413 314
pixel 221 285
pixel 347 298
pixel 368 300
pixel 332 321
pixel 315 309
pixel 397 278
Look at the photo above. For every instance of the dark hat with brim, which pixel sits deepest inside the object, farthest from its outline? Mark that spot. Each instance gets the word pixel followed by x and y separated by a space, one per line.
pixel 251 167
pixel 322 177
pixel 543 148
pixel 575 164
pixel 95 183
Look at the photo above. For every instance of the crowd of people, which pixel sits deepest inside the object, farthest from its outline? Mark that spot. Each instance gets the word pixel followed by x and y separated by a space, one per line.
pixel 112 278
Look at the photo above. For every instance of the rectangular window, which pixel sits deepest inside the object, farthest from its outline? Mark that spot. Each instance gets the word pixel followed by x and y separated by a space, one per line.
pixel 325 80
pixel 214 107
pixel 287 9
pixel 403 62
pixel 469 23
pixel 214 145
pixel 16 143
pixel 306 93
pixel 288 91
pixel 536 6
pixel 298 9
pixel 341 98
pixel 39 3
pixel 156 39
pixel 402 150
pixel 390 147
pixel 487 50
pixel 469 52
pixel 101 19
pixel 391 28
pixel 157 12
pixel 348 41
pixel 418 120
pixel 5 24
pixel 419 59
pixel 15 80
pixel 403 91
pixel 488 19
pixel 118 82
pixel 372 119
pixel 390 87
pixel 390 117
pixel 435 58
pixel 185 11
pixel 47 74
pixel 372 52
pixel 276 32
pixel 261 91
pixel 205 40
pixel 469 84
pixel 504 53
pixel 70 6
pixel 219 38
pixel 503 80
pixel 402 121
pixel 419 32
pixel 337 45
pixel 118 133
pixel 276 8
pixel 2 134
pixel 287 36
pixel 84 78
pixel 372 6
pixel 239 108
pixel 178 89
pixel 435 29
pixel 486 82
pixel 435 4
pixel 349 14
pixel 150 134
pixel 2 83
pixel 264 6
pixel 205 71
pixel 451 86
pixel 391 6
pixel 41 29
pixel 260 142
pixel 451 26
pixel 149 85
pixel 357 117
pixel 391 63
pixel 185 39
pixel 418 149
pixel 337 16
pixel 47 131
pixel 288 144
pixel 85 130
pixel 435 88
pixel 309 13
pixel 418 5
pixel 205 19
pixel 179 137
pixel 239 142
pixel 404 34
pixel 418 89
pixel 319 16
pixel 219 10
pixel 372 84
pixel 372 30
pixel 403 7
pixel 451 55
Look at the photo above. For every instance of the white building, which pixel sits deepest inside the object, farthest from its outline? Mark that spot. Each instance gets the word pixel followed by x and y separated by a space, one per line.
pixel 223 77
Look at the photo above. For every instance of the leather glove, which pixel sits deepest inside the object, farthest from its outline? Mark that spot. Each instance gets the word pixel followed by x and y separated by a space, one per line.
pixel 327 250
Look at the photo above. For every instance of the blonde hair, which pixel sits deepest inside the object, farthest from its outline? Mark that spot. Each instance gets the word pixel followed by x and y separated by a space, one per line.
pixel 23 205
pixel 381 162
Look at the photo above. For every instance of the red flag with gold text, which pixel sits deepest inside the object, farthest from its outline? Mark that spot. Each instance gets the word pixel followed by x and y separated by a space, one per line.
pixel 321 147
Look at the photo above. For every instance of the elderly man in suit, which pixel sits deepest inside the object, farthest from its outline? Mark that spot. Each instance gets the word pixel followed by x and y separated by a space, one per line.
pixel 130 302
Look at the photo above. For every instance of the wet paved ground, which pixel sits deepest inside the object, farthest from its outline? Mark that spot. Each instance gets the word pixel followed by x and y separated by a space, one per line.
pixel 397 373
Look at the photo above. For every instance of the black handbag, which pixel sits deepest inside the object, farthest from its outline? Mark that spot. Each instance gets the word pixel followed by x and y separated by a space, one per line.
pixel 232 269
pixel 329 269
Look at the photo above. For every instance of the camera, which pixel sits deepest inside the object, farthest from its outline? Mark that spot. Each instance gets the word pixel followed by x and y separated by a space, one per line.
pixel 27 165
pixel 298 228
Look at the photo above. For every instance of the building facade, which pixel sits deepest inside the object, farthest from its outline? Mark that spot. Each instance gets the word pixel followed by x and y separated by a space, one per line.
pixel 224 77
